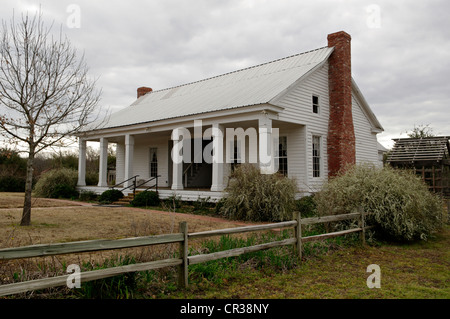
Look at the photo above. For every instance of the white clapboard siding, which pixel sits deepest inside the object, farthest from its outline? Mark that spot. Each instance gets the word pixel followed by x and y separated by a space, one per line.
pixel 141 160
pixel 298 109
pixel 365 139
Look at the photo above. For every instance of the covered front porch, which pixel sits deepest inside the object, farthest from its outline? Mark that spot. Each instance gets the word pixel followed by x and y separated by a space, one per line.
pixel 191 158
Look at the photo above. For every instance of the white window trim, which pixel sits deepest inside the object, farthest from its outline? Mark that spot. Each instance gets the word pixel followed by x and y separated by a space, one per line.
pixel 321 152
pixel 318 104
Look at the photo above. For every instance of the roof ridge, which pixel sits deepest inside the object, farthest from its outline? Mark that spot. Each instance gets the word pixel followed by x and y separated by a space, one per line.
pixel 236 71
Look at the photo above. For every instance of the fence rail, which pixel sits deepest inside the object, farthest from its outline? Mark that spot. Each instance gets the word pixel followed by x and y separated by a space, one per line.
pixel 182 237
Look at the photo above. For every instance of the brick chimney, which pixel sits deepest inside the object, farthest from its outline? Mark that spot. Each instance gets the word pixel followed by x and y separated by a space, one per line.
pixel 142 91
pixel 341 135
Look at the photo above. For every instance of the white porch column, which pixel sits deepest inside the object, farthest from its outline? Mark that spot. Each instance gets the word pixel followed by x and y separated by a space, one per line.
pixel 103 165
pixel 267 147
pixel 129 152
pixel 177 160
pixel 82 163
pixel 218 158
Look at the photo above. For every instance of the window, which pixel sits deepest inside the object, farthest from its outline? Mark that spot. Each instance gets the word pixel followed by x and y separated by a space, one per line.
pixel 282 156
pixel 153 162
pixel 315 104
pixel 236 155
pixel 316 146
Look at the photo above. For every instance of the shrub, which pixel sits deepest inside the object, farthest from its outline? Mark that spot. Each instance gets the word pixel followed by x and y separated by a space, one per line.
pixel 402 206
pixel 110 196
pixel 12 184
pixel 57 183
pixel 86 196
pixel 307 206
pixel 144 199
pixel 254 196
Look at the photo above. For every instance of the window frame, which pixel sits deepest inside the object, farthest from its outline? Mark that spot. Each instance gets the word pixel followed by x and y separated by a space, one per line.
pixel 153 165
pixel 282 159
pixel 316 156
pixel 315 106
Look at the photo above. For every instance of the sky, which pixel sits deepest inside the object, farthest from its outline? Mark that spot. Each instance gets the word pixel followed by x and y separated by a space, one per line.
pixel 400 49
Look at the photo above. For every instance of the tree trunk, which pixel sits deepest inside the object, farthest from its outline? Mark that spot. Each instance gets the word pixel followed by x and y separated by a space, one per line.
pixel 26 214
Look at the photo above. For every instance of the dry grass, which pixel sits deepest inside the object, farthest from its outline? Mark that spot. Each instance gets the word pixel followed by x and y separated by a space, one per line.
pixel 55 221
pixel 63 221
pixel 15 200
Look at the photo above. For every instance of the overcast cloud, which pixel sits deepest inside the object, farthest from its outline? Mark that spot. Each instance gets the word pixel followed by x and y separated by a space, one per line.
pixel 400 49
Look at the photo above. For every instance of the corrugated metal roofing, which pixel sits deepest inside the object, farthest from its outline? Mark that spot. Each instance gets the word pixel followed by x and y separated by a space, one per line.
pixel 251 86
pixel 412 150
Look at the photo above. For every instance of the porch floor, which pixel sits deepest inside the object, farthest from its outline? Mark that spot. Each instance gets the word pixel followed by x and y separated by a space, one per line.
pixel 187 194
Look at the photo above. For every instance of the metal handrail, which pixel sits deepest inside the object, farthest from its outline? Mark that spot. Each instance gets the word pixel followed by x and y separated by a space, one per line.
pixel 156 184
pixel 111 187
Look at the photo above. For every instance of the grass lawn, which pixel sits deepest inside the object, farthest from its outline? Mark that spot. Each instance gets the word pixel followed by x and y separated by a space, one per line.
pixel 408 271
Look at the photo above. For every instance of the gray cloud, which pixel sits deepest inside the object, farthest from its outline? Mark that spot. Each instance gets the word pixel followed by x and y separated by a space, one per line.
pixel 401 66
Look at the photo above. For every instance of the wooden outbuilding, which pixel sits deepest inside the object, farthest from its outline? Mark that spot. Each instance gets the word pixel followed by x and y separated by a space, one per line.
pixel 428 157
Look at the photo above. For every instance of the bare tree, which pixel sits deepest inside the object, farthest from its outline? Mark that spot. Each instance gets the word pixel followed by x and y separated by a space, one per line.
pixel 45 93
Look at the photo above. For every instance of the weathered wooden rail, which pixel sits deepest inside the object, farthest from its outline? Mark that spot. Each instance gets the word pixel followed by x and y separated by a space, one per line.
pixel 182 238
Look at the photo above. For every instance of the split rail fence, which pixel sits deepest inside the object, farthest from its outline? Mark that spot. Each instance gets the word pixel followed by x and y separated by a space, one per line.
pixel 182 237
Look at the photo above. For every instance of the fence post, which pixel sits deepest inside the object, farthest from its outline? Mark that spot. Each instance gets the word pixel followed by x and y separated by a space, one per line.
pixel 362 225
pixel 183 274
pixel 298 235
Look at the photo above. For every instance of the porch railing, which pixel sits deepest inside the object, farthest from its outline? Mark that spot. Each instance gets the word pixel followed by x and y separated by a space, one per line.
pixel 134 185
pixel 149 180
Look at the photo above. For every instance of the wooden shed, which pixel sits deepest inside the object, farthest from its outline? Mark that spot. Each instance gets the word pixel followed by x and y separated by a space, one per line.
pixel 428 157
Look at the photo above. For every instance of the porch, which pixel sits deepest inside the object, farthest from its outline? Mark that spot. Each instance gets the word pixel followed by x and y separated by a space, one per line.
pixel 194 159
pixel 190 194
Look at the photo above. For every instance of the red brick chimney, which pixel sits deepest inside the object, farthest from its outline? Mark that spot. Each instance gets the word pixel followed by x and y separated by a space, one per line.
pixel 143 90
pixel 341 135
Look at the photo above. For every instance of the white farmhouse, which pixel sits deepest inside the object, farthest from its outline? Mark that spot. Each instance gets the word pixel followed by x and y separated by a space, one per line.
pixel 309 100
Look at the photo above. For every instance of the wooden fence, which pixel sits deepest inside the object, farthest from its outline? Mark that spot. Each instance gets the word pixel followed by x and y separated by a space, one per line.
pixel 182 238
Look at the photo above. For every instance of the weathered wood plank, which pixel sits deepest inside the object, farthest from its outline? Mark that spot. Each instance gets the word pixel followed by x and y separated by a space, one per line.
pixel 183 275
pixel 244 229
pixel 239 251
pixel 326 219
pixel 329 235
pixel 86 246
pixel 85 276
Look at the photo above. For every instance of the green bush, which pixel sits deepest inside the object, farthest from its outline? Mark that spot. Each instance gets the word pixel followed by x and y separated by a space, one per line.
pixel 86 196
pixel 57 183
pixel 144 199
pixel 254 196
pixel 307 206
pixel 402 207
pixel 12 184
pixel 110 196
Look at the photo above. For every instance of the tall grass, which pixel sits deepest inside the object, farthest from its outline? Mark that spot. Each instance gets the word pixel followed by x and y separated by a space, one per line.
pixel 254 196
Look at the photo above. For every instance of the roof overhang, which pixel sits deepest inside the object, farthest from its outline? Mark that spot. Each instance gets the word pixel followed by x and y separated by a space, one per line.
pixel 232 115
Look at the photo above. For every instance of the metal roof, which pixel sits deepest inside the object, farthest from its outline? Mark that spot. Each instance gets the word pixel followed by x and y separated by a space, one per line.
pixel 251 86
pixel 413 150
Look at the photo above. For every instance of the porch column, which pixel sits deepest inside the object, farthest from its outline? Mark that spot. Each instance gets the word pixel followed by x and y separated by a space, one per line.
pixel 177 160
pixel 82 163
pixel 129 152
pixel 266 146
pixel 218 158
pixel 103 163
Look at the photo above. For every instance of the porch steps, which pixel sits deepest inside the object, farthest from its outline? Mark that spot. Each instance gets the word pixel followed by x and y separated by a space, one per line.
pixel 126 200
